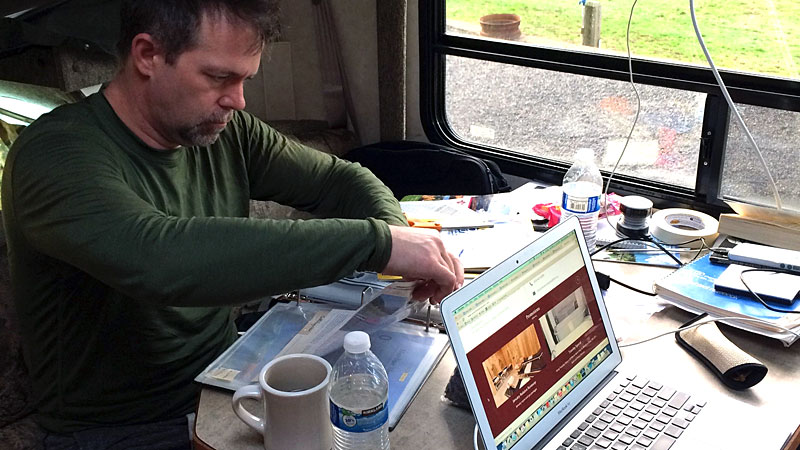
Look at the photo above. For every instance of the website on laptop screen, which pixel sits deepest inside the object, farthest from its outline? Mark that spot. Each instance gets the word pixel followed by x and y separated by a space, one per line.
pixel 531 337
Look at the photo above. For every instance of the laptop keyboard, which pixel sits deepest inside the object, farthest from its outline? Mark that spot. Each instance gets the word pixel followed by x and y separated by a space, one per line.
pixel 639 415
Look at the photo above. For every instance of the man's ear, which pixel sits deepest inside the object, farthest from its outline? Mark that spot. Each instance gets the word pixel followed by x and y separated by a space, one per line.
pixel 145 54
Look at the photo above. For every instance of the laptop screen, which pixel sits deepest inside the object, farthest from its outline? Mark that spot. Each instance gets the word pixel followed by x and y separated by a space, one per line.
pixel 531 337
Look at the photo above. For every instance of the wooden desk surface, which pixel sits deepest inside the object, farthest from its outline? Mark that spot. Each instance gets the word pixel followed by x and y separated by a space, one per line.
pixel 432 423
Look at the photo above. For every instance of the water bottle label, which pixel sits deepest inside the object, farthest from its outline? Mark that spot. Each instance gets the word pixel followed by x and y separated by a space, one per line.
pixel 580 205
pixel 359 422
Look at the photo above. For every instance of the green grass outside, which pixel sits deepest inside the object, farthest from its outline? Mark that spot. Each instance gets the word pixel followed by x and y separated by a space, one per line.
pixel 761 36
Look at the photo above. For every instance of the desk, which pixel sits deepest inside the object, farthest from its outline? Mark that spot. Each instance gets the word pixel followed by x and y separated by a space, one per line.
pixel 431 423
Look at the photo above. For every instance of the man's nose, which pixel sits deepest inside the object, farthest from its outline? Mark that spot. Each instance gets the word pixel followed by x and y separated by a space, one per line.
pixel 233 97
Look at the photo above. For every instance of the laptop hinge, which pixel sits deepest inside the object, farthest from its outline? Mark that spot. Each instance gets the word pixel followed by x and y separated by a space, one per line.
pixel 578 408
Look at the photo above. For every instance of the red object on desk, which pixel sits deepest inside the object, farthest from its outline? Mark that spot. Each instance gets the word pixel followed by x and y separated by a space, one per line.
pixel 549 211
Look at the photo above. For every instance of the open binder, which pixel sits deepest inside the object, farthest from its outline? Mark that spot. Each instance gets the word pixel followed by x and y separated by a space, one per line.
pixel 408 352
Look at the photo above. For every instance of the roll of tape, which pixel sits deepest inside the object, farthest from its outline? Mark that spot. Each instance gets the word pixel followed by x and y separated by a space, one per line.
pixel 678 225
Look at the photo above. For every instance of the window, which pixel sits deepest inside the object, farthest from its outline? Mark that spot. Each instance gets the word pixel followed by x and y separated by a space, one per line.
pixel 528 83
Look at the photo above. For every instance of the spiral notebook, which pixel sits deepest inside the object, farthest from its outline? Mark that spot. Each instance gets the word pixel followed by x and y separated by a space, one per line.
pixel 691 287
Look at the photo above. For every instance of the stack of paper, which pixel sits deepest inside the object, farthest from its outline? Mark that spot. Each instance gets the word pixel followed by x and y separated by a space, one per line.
pixel 767 226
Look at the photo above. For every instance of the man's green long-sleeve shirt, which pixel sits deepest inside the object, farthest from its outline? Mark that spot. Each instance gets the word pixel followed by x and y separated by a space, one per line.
pixel 123 257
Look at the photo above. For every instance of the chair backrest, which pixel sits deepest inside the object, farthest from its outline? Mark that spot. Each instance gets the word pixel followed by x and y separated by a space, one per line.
pixel 410 167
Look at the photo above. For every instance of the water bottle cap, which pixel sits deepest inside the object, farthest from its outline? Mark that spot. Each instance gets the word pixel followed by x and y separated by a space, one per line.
pixel 356 342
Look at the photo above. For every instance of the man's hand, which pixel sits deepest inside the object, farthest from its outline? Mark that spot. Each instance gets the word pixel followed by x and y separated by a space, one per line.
pixel 419 254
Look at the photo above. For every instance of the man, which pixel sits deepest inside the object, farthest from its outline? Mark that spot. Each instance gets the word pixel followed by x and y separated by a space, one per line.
pixel 126 221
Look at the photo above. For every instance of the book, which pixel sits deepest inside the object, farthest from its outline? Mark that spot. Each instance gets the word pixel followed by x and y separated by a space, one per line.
pixel 407 351
pixel 691 287
pixel 783 235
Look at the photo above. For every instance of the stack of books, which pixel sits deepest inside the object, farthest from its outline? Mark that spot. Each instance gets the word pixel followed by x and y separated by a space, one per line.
pixel 768 226
pixel 776 234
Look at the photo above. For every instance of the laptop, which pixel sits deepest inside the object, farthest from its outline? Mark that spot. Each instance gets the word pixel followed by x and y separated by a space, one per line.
pixel 537 353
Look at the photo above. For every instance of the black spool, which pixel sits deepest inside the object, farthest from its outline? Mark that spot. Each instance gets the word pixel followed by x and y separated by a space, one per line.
pixel 635 211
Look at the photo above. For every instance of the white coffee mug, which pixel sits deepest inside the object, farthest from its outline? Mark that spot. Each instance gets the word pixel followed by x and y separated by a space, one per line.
pixel 293 392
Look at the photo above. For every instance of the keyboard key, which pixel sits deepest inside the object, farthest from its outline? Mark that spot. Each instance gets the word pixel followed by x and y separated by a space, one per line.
pixel 633 431
pixel 637 405
pixel 621 404
pixel 617 427
pixel 613 410
pixel 607 418
pixel 592 433
pixel 561 447
pixel 680 423
pixel 626 438
pixel 623 419
pixel 673 431
pixel 602 442
pixel 670 411
pixel 652 409
pixel 610 435
pixel 578 447
pixel 599 425
pixel 605 404
pixel 575 434
pixel 649 391
pixel 651 433
pixel 597 411
pixel 632 390
pixel 678 400
pixel 663 442
pixel 687 416
pixel 646 416
pixel 583 426
pixel 640 382
pixel 567 442
pixel 666 393
pixel 656 386
pixel 626 397
pixel 656 425
pixel 636 447
pixel 585 440
pixel 643 398
pixel 611 397
pixel 619 446
pixel 644 441
pixel 618 389
pixel 639 423
pixel 658 402
pixel 630 412
pixel 663 418
pixel 591 418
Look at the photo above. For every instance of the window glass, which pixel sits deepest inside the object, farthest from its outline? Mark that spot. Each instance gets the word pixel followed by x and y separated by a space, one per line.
pixel 777 134
pixel 551 114
pixel 761 37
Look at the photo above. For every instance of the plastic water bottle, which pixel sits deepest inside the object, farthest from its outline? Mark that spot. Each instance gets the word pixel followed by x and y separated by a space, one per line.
pixel 358 394
pixel 583 186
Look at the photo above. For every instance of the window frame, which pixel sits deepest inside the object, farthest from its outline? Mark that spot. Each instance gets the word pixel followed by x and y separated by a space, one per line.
pixel 757 90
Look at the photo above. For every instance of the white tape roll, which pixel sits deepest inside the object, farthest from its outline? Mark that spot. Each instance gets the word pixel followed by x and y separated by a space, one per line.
pixel 678 225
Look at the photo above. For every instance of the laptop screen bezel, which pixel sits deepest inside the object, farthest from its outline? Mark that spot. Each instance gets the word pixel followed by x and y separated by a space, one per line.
pixel 487 279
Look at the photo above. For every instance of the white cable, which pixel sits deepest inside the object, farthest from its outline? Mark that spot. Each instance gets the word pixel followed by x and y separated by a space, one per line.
pixel 709 320
pixel 731 105
pixel 475 437
pixel 635 118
